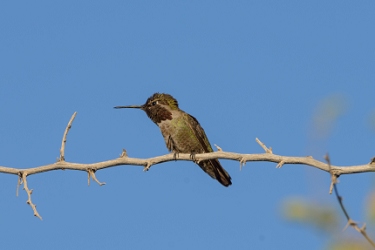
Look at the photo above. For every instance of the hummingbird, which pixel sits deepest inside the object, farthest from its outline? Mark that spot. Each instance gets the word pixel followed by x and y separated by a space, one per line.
pixel 182 132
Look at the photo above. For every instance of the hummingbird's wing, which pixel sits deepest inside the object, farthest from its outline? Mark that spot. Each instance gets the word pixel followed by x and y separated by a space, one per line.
pixel 199 134
pixel 211 167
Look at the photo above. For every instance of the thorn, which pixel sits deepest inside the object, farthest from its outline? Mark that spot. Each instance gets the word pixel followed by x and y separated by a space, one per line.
pixel 147 167
pixel 218 148
pixel 280 164
pixel 334 181
pixel 268 150
pixel 88 178
pixel 352 223
pixel 326 157
pixel 242 162
pixel 92 174
pixel 123 154
pixel 346 226
pixel 331 188
pixel 19 182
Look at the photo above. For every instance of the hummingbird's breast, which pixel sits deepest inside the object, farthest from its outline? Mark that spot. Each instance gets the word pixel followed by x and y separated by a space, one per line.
pixel 179 135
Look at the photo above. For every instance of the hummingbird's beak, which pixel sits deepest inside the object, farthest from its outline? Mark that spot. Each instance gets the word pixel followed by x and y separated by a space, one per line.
pixel 131 107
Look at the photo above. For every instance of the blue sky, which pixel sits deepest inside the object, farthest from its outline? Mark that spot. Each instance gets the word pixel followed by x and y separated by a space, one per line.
pixel 244 69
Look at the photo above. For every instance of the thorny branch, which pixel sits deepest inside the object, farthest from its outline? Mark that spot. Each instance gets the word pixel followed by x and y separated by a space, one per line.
pixel 124 160
pixel 351 222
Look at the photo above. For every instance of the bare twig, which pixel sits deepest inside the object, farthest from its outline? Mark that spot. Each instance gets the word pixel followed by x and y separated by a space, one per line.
pixel 62 150
pixel 351 222
pixel 267 150
pixel 29 192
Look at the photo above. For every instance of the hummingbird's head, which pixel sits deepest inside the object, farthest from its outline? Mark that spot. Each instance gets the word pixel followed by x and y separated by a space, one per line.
pixel 158 107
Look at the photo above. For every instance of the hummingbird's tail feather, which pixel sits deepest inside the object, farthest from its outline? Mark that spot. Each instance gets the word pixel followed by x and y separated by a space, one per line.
pixel 216 171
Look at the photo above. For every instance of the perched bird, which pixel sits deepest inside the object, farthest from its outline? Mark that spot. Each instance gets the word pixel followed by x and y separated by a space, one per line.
pixel 182 132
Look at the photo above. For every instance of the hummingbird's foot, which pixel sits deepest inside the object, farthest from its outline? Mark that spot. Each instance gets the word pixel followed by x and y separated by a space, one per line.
pixel 175 155
pixel 192 157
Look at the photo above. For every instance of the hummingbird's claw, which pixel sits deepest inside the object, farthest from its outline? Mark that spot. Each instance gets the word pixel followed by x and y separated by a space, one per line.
pixel 175 155
pixel 192 157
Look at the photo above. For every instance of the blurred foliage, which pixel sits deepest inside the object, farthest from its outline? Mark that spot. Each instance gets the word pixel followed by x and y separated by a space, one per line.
pixel 322 217
pixel 326 219
pixel 370 210
pixel 354 244
pixel 326 113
